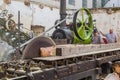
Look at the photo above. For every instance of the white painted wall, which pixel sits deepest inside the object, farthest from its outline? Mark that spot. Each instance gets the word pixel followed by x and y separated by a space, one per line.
pixel 45 16
pixel 106 21
pixel 89 3
pixel 26 12
pixel 113 3
pixel 51 3
pixel 98 3
pixel 32 15
pixel 78 4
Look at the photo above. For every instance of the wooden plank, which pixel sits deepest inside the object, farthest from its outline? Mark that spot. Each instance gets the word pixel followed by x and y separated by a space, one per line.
pixel 53 58
pixel 70 49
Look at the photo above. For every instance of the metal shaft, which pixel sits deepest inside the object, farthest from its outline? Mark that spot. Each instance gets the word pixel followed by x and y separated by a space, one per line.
pixel 19 29
pixel 18 49
pixel 63 12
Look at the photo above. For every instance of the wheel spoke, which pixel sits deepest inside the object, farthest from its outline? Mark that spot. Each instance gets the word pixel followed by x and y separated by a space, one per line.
pixel 79 20
pixel 82 15
pixel 87 27
pixel 81 23
pixel 86 19
pixel 82 32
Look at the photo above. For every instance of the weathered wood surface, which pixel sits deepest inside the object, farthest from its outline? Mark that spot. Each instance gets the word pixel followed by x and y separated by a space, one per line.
pixel 70 51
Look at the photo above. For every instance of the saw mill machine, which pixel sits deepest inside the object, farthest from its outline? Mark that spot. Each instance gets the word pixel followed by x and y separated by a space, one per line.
pixel 9 32
pixel 77 59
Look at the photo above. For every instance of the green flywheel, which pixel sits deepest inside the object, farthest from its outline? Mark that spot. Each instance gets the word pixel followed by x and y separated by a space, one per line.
pixel 82 26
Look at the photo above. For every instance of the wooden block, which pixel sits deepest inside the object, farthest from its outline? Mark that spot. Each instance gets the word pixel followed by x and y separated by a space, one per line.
pixel 48 51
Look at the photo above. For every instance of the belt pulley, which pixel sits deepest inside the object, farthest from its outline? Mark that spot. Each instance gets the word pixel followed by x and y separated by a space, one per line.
pixel 82 26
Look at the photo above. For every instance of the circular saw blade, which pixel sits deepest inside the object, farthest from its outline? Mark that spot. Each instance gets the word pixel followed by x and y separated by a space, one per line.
pixel 32 49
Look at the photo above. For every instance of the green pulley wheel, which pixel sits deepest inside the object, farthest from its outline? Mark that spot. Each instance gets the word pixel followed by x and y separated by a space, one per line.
pixel 82 26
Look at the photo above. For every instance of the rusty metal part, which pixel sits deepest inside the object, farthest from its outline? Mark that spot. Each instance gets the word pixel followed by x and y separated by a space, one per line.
pixel 73 68
pixel 10 25
pixel 32 50
pixel 64 33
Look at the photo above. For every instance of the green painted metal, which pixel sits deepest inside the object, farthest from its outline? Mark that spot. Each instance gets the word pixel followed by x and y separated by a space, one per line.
pixel 82 32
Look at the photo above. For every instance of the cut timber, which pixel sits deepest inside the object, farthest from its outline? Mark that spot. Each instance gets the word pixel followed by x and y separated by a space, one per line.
pixel 48 51
pixel 99 50
pixel 70 49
